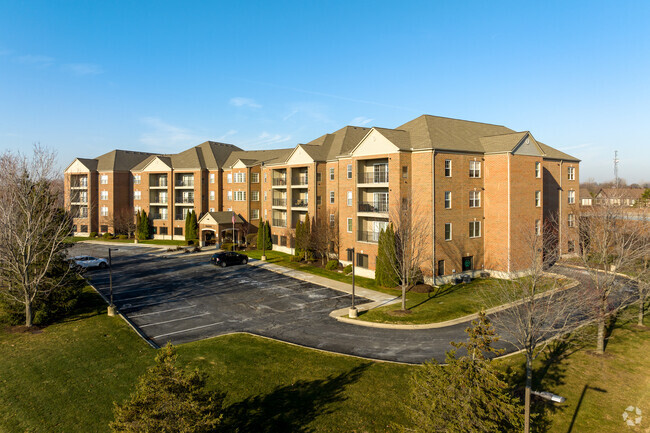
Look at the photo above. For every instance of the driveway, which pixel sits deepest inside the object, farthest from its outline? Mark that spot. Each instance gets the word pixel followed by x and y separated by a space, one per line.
pixel 185 298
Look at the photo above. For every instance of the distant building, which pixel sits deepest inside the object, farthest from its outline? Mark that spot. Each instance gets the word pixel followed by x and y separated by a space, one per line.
pixel 586 199
pixel 482 185
pixel 618 196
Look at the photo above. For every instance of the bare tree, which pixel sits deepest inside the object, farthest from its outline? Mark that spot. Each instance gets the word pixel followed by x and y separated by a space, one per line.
pixel 123 222
pixel 611 241
pixel 412 246
pixel 32 227
pixel 324 238
pixel 541 308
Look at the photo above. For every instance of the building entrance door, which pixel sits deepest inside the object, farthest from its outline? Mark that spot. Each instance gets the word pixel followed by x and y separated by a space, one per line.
pixel 468 264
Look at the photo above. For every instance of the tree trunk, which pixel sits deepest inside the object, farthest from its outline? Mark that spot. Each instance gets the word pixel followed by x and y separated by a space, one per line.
pixel 403 296
pixel 28 314
pixel 529 384
pixel 641 308
pixel 600 344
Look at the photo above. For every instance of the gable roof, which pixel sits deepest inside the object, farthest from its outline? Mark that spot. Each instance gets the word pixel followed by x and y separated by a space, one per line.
pixel 625 193
pixel 254 157
pixel 224 217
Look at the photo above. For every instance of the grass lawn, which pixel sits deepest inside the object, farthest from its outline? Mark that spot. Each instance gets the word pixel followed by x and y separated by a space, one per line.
pixel 445 303
pixel 66 378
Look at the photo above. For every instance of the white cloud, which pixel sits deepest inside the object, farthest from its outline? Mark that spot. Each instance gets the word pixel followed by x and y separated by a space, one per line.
pixel 244 102
pixel 361 121
pixel 230 133
pixel 81 69
pixel 165 137
pixel 35 60
pixel 267 139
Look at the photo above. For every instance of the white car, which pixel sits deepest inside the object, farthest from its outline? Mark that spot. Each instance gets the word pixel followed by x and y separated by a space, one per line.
pixel 88 262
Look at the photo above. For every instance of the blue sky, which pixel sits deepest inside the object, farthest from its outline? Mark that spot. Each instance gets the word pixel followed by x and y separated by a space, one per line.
pixel 88 77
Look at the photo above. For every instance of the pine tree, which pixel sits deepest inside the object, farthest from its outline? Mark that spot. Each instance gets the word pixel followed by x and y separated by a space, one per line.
pixel 145 226
pixel 264 236
pixel 193 225
pixel 169 399
pixel 269 241
pixel 188 234
pixel 466 395
pixel 385 274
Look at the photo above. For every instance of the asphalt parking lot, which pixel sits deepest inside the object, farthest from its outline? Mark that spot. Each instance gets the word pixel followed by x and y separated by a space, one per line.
pixel 185 298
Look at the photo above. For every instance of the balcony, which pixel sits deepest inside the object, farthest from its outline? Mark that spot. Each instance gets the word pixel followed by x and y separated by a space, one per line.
pixel 80 213
pixel 300 203
pixel 280 202
pixel 279 223
pixel 180 217
pixel 158 216
pixel 159 184
pixel 373 177
pixel 158 201
pixel 373 206
pixel 369 237
pixel 78 200
pixel 184 200
pixel 279 181
pixel 79 184
pixel 300 181
pixel 184 183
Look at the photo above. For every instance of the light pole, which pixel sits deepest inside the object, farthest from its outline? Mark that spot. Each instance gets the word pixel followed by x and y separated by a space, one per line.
pixel 111 307
pixel 264 241
pixel 352 313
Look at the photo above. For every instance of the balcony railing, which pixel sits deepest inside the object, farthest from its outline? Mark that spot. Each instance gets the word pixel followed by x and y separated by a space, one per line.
pixel 80 214
pixel 184 200
pixel 180 217
pixel 373 206
pixel 369 236
pixel 374 177
pixel 300 203
pixel 279 223
pixel 279 181
pixel 300 180
pixel 79 200
pixel 159 216
pixel 280 202
pixel 79 184
pixel 159 184
pixel 158 200
pixel 186 182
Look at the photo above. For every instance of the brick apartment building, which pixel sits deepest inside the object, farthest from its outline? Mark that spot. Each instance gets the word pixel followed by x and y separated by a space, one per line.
pixel 482 186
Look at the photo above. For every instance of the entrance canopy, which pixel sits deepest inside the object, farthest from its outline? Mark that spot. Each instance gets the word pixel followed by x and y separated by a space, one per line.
pixel 217 225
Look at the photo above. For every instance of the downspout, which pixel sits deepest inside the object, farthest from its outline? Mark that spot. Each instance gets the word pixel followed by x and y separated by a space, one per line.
pixel 433 216
pixel 509 199
pixel 559 216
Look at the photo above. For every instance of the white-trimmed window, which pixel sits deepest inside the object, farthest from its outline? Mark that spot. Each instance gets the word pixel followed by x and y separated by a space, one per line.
pixel 572 173
pixel 240 195
pixel 349 225
pixel 255 196
pixel 103 179
pixel 211 195
pixel 572 197
pixel 538 227
pixel 349 171
pixel 211 209
pixel 264 177
pixel 136 209
pixel 538 169
pixel 538 198
pixel 447 231
pixel 447 199
pixel 571 221
pixel 474 229
pixel 137 195
pixel 137 179
pixel 240 177
pixel 229 177
pixel 349 198
pixel 332 220
pixel 229 195
pixel 474 199
pixel 475 169
pixel 211 177
pixel 255 178
pixel 266 196
pixel 103 211
pixel 332 195
pixel 255 214
pixel 103 195
pixel 447 167
pixel 332 173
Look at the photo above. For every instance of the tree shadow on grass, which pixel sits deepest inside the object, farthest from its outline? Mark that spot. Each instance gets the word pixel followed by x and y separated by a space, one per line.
pixel 290 408
pixel 546 377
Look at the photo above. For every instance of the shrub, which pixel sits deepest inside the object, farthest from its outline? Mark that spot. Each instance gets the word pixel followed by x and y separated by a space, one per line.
pixel 227 246
pixel 93 234
pixel 122 237
pixel 331 265
pixel 296 258
pixel 197 249
pixel 251 240
pixel 347 269
pixel 107 236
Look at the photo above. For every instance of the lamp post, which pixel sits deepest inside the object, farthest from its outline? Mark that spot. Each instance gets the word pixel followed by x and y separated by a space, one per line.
pixel 352 313
pixel 111 308
pixel 263 242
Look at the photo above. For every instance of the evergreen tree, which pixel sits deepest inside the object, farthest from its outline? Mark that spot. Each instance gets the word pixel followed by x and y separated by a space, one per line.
pixel 264 236
pixel 269 240
pixel 188 233
pixel 385 274
pixel 191 226
pixel 145 226
pixel 300 230
pixel 138 226
pixel 466 395
pixel 169 399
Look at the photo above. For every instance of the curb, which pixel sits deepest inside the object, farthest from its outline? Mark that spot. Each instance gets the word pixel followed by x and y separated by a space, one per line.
pixel 341 318
pixel 597 270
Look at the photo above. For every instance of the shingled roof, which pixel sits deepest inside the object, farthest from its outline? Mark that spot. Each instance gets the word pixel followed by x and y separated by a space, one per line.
pixel 120 160
pixel 254 157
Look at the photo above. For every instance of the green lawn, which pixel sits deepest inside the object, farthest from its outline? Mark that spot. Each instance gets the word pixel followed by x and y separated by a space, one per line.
pixel 66 378
pixel 445 303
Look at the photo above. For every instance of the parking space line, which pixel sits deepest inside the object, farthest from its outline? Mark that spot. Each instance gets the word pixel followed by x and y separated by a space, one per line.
pixel 163 311
pixel 186 330
pixel 173 320
pixel 130 306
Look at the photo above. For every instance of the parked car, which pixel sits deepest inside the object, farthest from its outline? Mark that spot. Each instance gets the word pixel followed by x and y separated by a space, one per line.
pixel 229 258
pixel 85 262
